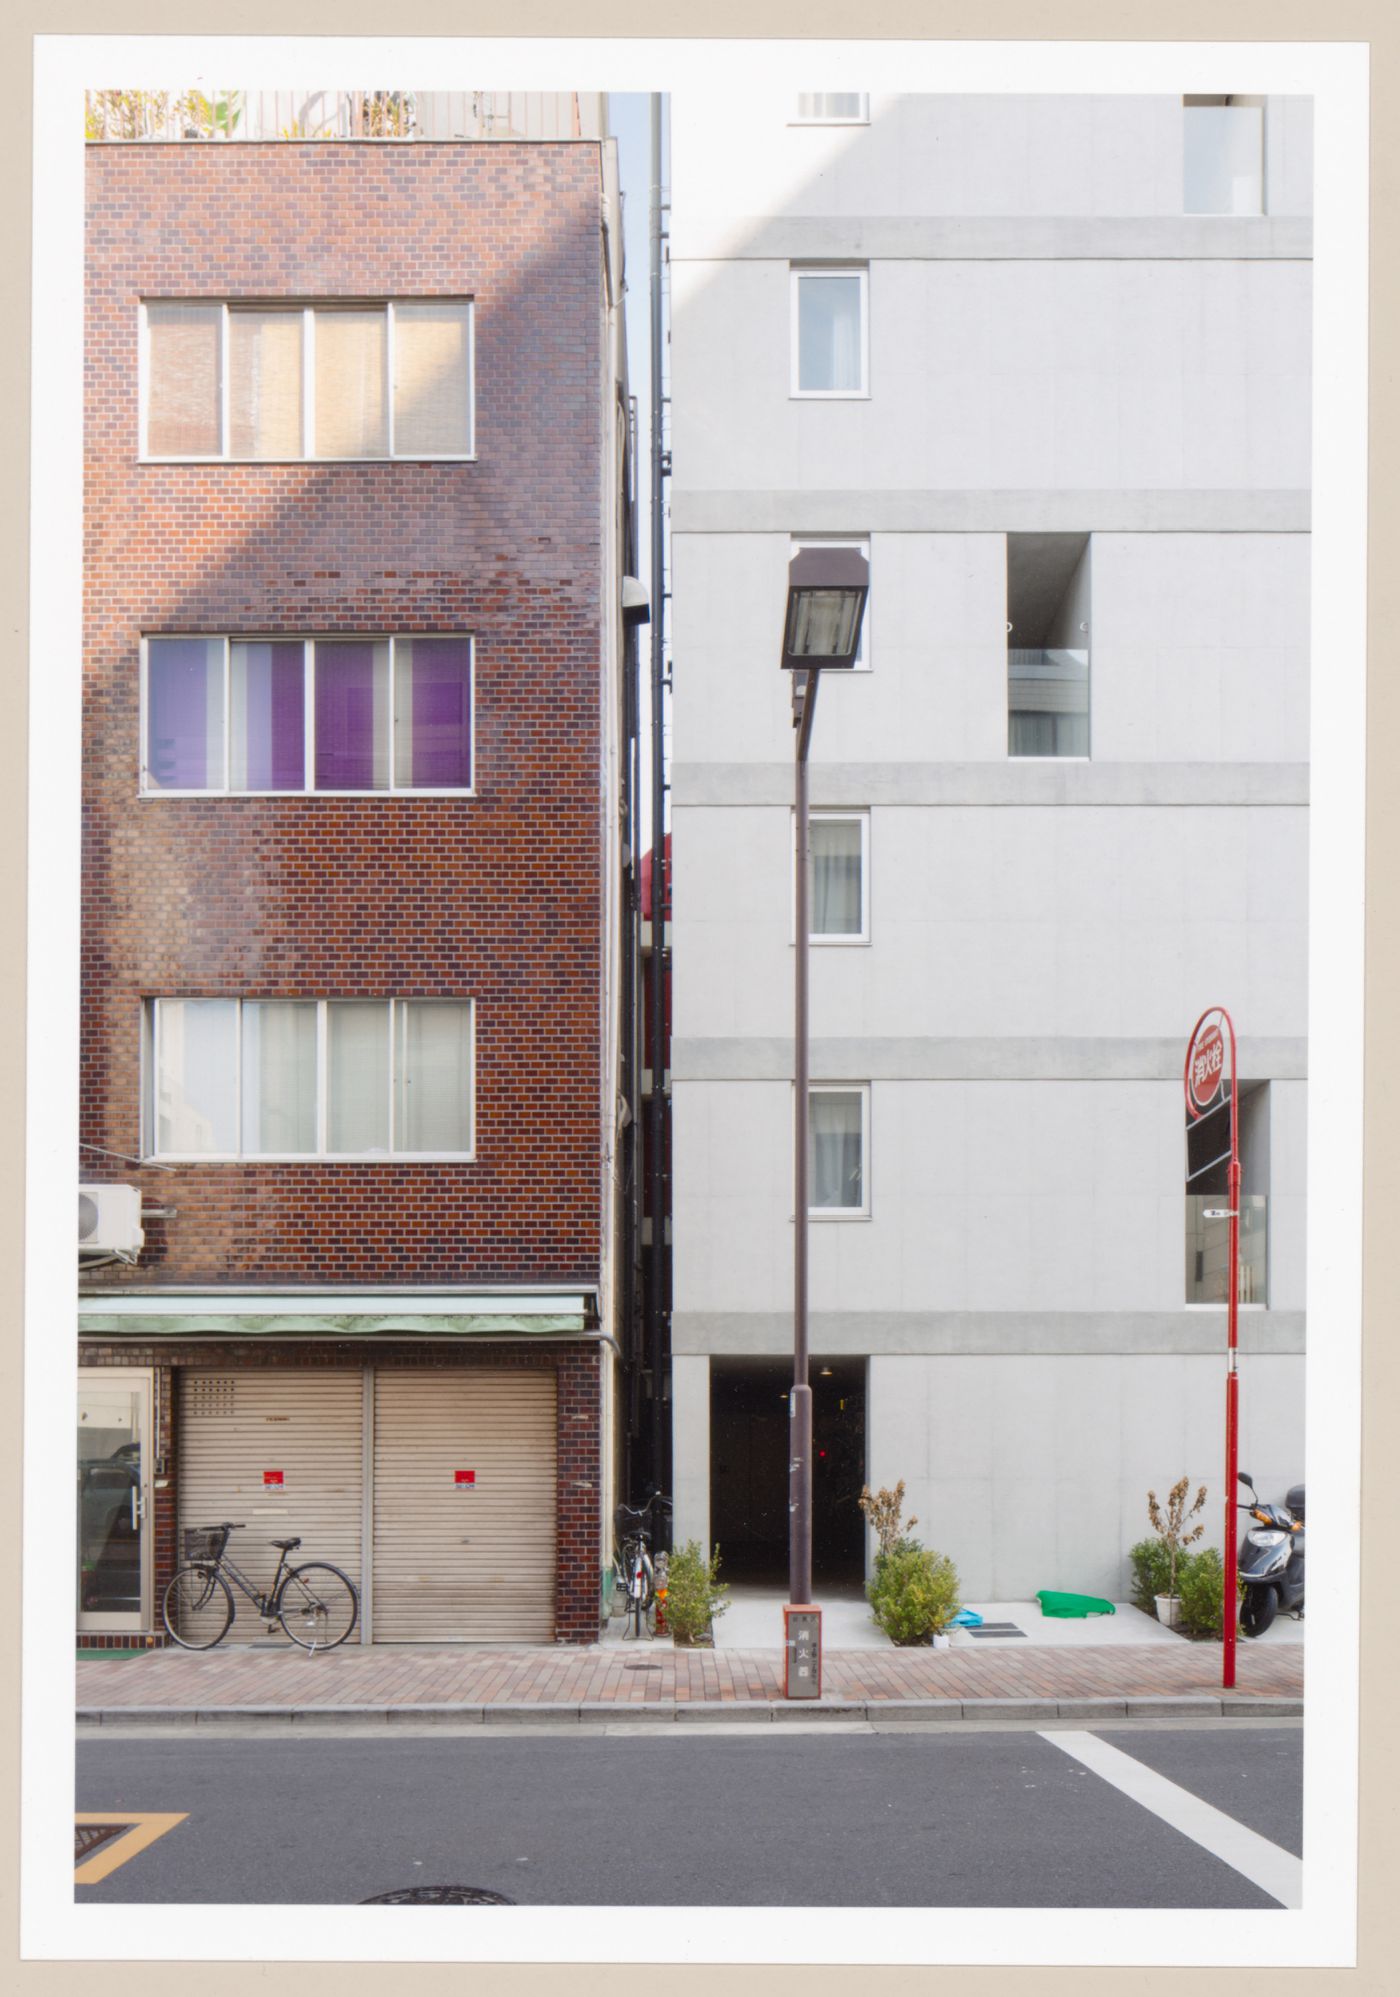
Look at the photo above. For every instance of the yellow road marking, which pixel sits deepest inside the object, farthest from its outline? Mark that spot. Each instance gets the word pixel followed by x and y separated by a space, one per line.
pixel 145 1828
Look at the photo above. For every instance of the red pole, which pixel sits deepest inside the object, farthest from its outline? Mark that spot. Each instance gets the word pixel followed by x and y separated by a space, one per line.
pixel 1230 1606
pixel 1202 1090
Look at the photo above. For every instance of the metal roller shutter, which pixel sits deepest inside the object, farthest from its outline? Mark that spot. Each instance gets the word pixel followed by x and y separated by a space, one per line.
pixel 456 1561
pixel 237 1426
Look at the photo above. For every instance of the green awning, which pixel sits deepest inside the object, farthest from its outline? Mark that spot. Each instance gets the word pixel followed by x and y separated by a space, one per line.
pixel 235 1314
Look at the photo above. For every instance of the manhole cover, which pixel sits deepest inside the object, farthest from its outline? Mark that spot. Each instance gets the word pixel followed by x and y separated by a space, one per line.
pixel 87 1837
pixel 440 1896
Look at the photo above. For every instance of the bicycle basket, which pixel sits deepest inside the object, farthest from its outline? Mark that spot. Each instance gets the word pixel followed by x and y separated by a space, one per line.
pixel 205 1542
pixel 627 1523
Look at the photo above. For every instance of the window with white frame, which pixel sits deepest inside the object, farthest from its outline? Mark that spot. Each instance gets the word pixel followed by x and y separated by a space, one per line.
pixel 839 887
pixel 306 714
pixel 838 1146
pixel 832 107
pixel 267 382
pixel 830 337
pixel 309 1078
pixel 861 544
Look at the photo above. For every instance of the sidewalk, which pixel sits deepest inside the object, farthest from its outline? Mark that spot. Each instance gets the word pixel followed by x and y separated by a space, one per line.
pixel 1058 1670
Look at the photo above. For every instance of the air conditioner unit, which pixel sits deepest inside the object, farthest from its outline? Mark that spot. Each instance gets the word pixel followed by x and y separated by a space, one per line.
pixel 109 1220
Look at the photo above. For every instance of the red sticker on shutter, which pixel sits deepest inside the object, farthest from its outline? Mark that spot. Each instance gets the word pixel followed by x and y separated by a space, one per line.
pixel 465 1476
pixel 272 1477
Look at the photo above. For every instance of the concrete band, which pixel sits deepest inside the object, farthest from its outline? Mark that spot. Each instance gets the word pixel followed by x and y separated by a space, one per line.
pixel 1011 783
pixel 962 510
pixel 991 1334
pixel 1052 238
pixel 862 1058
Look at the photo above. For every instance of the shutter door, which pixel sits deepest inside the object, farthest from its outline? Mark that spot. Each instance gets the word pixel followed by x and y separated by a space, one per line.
pixel 458 1562
pixel 234 1427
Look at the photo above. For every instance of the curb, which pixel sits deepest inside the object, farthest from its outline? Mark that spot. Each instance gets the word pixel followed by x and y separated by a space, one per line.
pixel 760 1712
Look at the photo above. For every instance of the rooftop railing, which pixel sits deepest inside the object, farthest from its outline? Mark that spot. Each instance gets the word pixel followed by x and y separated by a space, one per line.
pixel 124 116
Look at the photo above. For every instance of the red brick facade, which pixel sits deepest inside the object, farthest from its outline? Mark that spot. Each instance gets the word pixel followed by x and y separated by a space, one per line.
pixel 495 897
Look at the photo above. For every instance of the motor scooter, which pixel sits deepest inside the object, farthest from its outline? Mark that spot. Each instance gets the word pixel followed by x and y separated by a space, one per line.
pixel 1271 1559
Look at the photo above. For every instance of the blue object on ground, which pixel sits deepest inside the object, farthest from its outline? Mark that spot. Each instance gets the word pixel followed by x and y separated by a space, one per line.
pixel 964 1619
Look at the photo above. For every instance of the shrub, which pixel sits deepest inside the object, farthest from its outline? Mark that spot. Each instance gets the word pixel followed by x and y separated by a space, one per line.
pixel 913 1592
pixel 694 1592
pixel 1151 1573
pixel 1200 1582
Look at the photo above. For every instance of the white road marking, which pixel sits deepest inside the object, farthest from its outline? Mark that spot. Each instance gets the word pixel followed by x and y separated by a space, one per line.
pixel 1267 1866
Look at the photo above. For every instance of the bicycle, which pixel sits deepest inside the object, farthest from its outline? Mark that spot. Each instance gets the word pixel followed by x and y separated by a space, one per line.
pixel 317 1605
pixel 633 1565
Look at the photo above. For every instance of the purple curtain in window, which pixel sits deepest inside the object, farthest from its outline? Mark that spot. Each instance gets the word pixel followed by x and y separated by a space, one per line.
pixel 275 708
pixel 181 676
pixel 351 722
pixel 440 754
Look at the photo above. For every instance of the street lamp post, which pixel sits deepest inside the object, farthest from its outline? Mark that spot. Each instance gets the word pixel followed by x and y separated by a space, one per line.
pixel 827 588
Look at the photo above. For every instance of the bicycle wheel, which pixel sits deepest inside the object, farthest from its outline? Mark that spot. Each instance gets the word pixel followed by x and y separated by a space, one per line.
pixel 317 1606
pixel 197 1607
pixel 642 1585
pixel 641 1594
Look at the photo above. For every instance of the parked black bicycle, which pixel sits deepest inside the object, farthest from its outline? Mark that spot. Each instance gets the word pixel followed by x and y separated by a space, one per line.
pixel 633 1566
pixel 316 1605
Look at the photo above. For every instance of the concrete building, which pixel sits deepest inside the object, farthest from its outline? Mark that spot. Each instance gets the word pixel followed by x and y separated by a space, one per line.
pixel 1047 362
pixel 357 782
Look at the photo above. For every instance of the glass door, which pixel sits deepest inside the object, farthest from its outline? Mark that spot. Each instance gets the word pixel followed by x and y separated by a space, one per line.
pixel 114 1500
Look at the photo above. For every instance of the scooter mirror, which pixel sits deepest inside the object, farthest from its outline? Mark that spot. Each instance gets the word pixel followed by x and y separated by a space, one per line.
pixel 1245 1478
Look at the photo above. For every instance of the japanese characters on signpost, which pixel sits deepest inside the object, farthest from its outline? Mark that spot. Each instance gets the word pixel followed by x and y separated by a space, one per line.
pixel 1213 1149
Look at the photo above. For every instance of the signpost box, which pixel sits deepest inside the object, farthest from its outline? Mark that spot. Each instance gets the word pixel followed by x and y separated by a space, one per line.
pixel 802 1651
pixel 1213 1166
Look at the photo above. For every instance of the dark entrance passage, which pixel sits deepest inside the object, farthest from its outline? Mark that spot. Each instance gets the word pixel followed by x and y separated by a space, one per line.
pixel 749 1469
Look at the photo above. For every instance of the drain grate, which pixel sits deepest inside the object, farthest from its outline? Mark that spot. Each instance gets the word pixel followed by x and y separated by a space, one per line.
pixel 87 1837
pixel 997 1630
pixel 641 1667
pixel 440 1896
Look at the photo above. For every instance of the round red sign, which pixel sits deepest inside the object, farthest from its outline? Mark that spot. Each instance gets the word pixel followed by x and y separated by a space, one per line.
pixel 1205 1067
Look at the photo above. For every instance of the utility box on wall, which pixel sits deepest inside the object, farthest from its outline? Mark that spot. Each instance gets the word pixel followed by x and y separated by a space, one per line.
pixel 802 1652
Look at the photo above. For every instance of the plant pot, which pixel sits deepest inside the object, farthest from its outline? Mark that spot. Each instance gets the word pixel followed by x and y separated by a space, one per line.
pixel 1168 1610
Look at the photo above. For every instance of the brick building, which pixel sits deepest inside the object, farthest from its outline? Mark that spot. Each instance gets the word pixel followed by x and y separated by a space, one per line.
pixel 355 785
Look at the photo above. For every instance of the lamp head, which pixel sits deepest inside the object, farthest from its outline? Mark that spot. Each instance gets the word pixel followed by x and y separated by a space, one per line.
pixel 827 588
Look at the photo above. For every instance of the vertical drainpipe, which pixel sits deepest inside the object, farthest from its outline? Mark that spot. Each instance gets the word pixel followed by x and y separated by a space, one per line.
pixel 629 1137
pixel 659 1342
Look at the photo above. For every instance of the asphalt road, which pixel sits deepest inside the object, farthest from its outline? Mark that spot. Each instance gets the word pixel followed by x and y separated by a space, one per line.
pixel 926 1817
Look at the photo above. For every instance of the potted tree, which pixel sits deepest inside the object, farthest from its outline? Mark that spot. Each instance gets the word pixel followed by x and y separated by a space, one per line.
pixel 1170 1523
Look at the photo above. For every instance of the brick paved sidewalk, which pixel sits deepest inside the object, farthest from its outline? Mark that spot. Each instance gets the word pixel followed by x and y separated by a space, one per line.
pixel 646 1675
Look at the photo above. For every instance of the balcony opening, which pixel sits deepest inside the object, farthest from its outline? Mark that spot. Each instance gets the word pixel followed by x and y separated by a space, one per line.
pixel 1208 1228
pixel 1222 155
pixel 1047 620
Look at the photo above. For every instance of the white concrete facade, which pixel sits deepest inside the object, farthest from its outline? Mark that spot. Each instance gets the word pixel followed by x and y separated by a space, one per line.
pixel 1053 347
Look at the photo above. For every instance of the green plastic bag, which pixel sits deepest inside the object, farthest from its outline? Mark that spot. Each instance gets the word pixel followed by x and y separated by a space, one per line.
pixel 1052 1604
